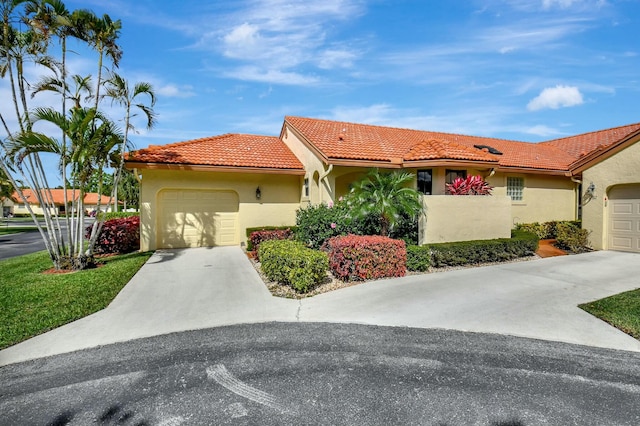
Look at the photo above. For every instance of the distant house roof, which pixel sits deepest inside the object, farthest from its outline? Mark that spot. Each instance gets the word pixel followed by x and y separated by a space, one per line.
pixel 57 197
pixel 225 151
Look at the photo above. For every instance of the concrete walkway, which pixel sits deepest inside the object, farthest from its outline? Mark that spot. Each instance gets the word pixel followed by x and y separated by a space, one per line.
pixel 178 290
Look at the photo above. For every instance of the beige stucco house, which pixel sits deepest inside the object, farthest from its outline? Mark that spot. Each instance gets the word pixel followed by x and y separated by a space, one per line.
pixel 208 191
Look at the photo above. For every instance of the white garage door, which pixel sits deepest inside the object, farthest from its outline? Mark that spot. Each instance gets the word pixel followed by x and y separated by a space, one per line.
pixel 197 218
pixel 624 218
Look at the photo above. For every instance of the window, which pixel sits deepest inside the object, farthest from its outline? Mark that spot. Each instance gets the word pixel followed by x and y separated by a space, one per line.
pixel 515 188
pixel 306 187
pixel 453 174
pixel 424 181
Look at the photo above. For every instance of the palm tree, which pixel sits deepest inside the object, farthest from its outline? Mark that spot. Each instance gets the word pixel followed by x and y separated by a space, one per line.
pixel 102 34
pixel 386 197
pixel 89 153
pixel 118 89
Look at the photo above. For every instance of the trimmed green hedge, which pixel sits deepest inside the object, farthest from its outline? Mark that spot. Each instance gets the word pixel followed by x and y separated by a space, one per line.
pixel 521 244
pixel 291 263
pixel 118 215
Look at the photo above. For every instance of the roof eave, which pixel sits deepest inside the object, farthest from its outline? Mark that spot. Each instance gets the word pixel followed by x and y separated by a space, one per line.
pixel 533 170
pixel 212 168
pixel 601 154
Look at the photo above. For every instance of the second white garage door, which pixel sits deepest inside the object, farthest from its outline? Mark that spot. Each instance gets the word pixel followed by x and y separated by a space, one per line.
pixel 624 218
pixel 197 218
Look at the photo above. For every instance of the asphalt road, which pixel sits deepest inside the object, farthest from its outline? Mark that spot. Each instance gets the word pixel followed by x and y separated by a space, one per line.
pixel 13 245
pixel 329 374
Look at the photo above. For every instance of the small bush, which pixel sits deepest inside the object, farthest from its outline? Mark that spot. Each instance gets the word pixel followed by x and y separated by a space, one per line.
pixel 418 258
pixel 546 230
pixel 118 236
pixel 250 231
pixel 118 215
pixel 572 237
pixel 317 223
pixel 291 263
pixel 356 258
pixel 258 237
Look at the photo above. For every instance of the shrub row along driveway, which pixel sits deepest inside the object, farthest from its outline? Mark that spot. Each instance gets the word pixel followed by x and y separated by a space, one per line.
pixel 189 289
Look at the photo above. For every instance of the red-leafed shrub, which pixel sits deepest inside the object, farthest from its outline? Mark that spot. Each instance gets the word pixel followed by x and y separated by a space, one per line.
pixel 258 237
pixel 118 236
pixel 471 185
pixel 357 258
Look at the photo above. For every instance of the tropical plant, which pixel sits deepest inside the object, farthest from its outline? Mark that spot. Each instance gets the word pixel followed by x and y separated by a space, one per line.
pixel 89 142
pixel 471 185
pixel 385 196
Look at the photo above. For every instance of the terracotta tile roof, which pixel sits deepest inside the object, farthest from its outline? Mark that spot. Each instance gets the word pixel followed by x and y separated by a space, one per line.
pixel 230 150
pixel 342 140
pixel 580 145
pixel 56 194
pixel 92 199
pixel 58 197
pixel 442 149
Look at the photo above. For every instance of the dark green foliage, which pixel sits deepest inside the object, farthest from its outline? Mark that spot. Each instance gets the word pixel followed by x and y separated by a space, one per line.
pixel 406 230
pixel 418 258
pixel 316 224
pixel 291 263
pixel 572 237
pixel 388 196
pixel 521 244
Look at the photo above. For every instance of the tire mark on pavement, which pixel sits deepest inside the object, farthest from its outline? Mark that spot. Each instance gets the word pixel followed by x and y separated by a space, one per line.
pixel 223 377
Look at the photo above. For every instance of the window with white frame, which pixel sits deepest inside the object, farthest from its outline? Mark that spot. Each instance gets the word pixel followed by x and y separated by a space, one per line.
pixel 306 187
pixel 515 188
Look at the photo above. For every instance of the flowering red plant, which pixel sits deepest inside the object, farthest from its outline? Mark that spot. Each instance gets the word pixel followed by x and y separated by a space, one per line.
pixel 472 185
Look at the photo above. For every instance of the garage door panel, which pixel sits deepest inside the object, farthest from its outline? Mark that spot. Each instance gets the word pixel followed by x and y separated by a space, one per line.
pixel 624 218
pixel 193 218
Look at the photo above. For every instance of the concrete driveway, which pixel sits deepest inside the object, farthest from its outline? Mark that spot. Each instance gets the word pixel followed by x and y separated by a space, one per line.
pixel 189 289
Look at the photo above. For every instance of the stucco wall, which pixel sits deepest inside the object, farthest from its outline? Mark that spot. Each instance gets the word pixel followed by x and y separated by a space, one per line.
pixel 320 190
pixel 277 206
pixel 622 168
pixel 450 218
pixel 545 198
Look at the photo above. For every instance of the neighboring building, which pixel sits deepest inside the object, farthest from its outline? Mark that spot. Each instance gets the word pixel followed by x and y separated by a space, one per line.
pixel 17 206
pixel 208 191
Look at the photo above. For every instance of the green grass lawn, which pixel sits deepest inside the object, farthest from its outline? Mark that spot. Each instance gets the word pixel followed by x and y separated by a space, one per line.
pixel 622 311
pixel 32 302
pixel 15 229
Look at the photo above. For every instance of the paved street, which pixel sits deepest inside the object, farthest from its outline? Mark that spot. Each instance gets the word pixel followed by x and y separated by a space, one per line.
pixel 329 374
pixel 12 245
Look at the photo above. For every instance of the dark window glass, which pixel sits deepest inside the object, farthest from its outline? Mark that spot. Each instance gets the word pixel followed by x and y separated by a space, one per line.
pixel 424 181
pixel 453 174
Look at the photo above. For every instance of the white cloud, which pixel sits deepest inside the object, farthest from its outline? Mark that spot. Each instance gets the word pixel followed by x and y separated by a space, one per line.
pixel 272 76
pixel 175 91
pixel 276 36
pixel 542 130
pixel 563 4
pixel 556 97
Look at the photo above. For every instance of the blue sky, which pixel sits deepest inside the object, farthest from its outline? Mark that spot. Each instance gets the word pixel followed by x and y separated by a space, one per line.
pixel 527 70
